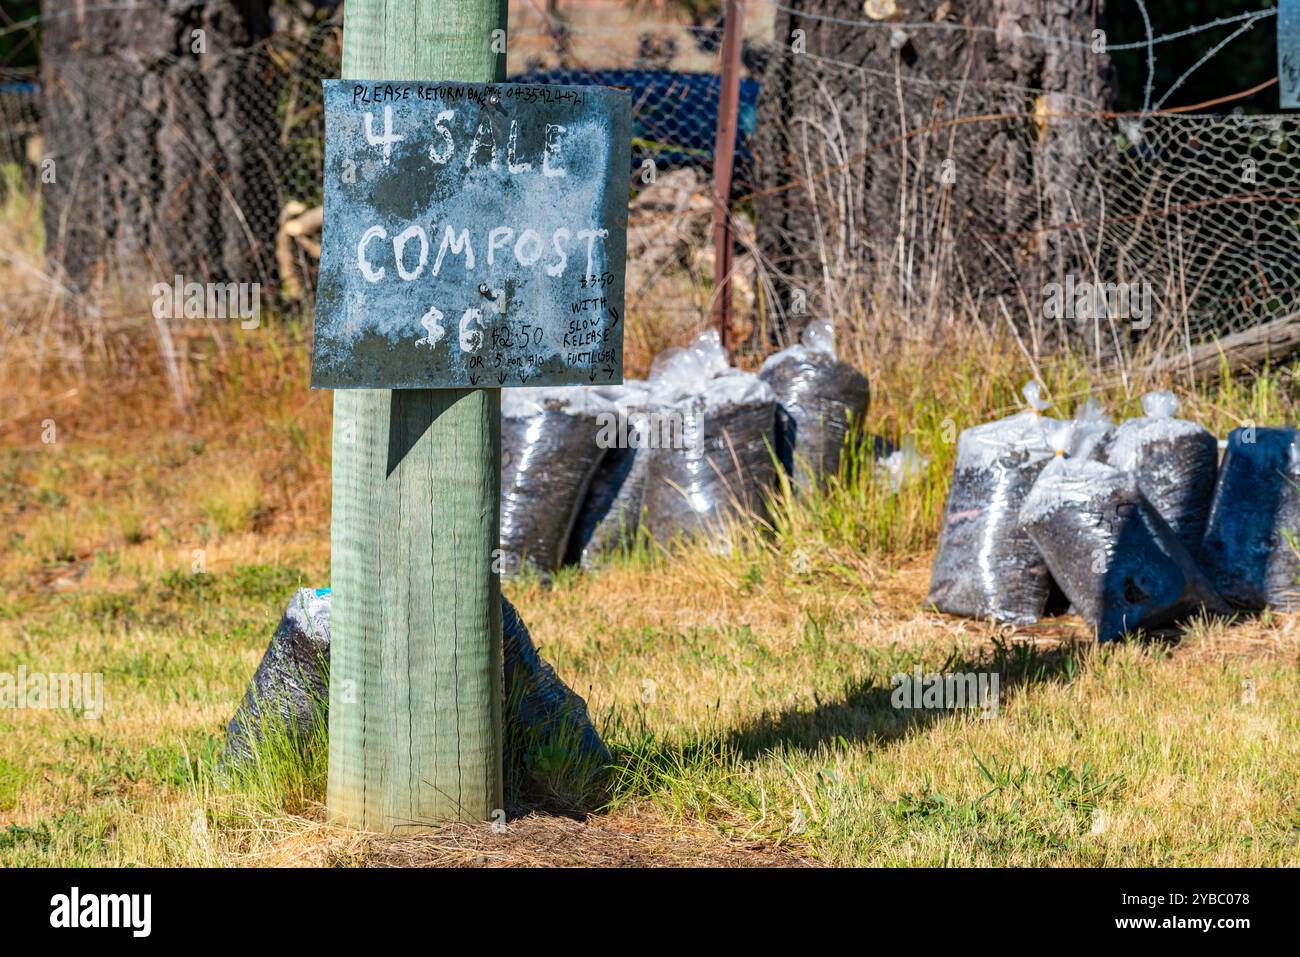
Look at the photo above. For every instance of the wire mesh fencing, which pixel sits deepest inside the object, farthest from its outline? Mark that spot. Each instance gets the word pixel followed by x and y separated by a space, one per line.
pixel 19 116
pixel 939 198
pixel 858 191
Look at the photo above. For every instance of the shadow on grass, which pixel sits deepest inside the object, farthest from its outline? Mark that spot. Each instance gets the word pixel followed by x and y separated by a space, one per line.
pixel 867 711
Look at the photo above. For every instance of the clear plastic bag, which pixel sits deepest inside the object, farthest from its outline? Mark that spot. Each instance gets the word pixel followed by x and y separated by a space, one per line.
pixel 901 466
pixel 549 453
pixel 1116 559
pixel 1174 463
pixel 986 566
pixel 680 369
pixel 726 467
pixel 819 401
pixel 290 689
pixel 1250 544
pixel 1093 432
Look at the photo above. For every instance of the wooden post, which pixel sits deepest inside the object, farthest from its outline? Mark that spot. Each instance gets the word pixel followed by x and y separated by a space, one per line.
pixel 416 674
pixel 724 151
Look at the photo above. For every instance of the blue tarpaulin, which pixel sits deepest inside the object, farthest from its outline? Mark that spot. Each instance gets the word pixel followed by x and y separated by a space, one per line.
pixel 674 115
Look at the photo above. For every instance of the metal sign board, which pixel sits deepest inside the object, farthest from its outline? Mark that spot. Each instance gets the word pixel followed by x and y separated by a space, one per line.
pixel 475 235
pixel 1288 53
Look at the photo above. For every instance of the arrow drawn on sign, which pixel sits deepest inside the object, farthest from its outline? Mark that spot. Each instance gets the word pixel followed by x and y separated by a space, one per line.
pixel 501 377
pixel 432 321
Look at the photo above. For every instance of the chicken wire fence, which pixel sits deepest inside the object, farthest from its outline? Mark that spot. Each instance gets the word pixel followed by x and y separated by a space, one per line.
pixel 19 115
pixel 1003 203
pixel 930 198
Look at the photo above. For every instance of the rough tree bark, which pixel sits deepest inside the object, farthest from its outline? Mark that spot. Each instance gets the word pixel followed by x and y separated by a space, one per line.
pixel 1010 177
pixel 163 139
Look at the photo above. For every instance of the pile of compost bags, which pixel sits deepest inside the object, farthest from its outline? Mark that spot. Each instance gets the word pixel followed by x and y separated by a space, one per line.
pixel 1174 463
pixel 611 513
pixel 819 400
pixel 290 689
pixel 726 467
pixel 671 457
pixel 549 453
pixel 986 565
pixel 1116 559
pixel 1250 543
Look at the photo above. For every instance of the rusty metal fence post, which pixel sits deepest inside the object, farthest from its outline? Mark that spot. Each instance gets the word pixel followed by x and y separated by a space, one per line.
pixel 724 151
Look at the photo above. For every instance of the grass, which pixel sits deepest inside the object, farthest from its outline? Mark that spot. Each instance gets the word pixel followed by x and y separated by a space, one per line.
pixel 746 696
pixel 154 533
pixel 765 722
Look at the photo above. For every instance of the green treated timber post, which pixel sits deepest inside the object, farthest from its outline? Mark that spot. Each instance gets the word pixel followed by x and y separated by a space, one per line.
pixel 416 674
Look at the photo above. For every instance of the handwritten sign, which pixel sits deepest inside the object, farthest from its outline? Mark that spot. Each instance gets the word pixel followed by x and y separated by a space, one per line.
pixel 1288 53
pixel 475 235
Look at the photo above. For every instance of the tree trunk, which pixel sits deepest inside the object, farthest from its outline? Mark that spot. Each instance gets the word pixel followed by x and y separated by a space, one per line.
pixel 164 141
pixel 868 162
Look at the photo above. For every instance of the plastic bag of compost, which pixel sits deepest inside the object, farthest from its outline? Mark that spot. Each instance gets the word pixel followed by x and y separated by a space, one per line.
pixel 724 465
pixel 290 689
pixel 819 399
pixel 1250 542
pixel 549 452
pixel 611 511
pixel 986 566
pixel 1174 462
pixel 1116 559
pixel 539 707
